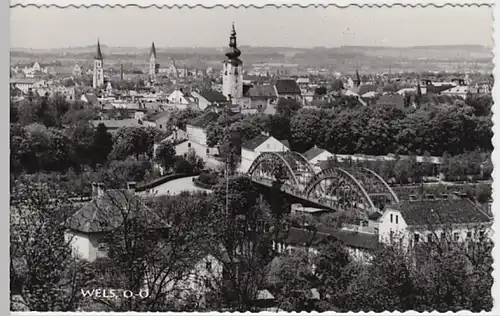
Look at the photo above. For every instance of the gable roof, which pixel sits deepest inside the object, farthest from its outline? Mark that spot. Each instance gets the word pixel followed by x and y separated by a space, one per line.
pixel 212 96
pixel 204 119
pixel 287 86
pixel 255 142
pixel 442 211
pixel 262 91
pixel 104 213
pixel 300 236
pixel 313 152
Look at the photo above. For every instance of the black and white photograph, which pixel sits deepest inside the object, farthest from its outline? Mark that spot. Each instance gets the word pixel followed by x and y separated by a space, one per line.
pixel 290 159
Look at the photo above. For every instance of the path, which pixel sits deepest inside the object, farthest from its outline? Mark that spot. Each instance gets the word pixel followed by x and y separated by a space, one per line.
pixel 175 187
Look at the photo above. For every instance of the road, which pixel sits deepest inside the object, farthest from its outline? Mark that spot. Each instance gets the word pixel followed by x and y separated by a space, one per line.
pixel 175 187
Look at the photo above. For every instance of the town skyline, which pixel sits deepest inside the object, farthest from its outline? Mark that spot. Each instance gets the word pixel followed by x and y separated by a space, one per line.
pixel 168 28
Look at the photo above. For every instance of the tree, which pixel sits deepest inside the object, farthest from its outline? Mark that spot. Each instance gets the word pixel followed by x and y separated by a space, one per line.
pixel 180 118
pixel 287 107
pixel 165 155
pixel 44 275
pixel 102 144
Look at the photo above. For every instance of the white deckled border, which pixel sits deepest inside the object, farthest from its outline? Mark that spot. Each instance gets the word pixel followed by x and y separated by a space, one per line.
pixel 255 3
pixel 339 3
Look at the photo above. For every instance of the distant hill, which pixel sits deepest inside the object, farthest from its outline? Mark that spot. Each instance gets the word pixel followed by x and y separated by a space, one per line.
pixel 344 58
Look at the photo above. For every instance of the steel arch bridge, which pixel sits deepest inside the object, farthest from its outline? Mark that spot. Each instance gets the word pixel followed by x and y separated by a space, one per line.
pixel 357 190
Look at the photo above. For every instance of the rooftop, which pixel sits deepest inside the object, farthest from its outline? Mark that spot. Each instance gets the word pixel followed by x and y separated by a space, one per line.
pixel 441 211
pixel 204 119
pixel 255 142
pixel 287 86
pixel 105 212
pixel 313 152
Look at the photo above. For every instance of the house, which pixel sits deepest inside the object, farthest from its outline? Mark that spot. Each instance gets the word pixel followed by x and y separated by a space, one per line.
pixel 210 99
pixel 412 221
pixel 258 97
pixel 252 148
pixel 315 155
pixel 459 91
pixel 288 89
pixel 160 119
pixel 25 85
pixel 359 245
pixel 88 226
pixel 196 128
pixel 180 97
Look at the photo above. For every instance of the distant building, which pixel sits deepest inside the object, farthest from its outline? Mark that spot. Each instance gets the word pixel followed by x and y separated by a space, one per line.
pixel 232 72
pixel 287 89
pixel 196 128
pixel 316 155
pixel 153 65
pixel 252 148
pixel 210 99
pixel 98 74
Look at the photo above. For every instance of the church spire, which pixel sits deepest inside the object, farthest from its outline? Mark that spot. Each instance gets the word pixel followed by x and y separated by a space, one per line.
pixel 99 54
pixel 153 50
pixel 233 52
pixel 358 78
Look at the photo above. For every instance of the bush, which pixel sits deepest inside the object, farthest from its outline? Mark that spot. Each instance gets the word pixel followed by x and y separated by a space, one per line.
pixel 209 177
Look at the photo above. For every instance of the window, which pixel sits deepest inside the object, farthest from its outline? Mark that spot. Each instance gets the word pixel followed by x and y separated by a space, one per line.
pixel 443 235
pixel 189 145
pixel 161 126
pixel 416 237
pixel 208 265
pixel 391 234
pixel 267 145
pixel 429 237
pixel 391 218
pixel 397 219
pixel 456 236
pixel 469 234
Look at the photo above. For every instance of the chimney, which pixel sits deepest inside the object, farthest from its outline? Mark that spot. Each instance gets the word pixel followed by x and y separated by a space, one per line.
pixel 131 186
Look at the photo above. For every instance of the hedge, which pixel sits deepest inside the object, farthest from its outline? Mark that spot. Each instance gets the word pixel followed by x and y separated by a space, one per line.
pixel 202 185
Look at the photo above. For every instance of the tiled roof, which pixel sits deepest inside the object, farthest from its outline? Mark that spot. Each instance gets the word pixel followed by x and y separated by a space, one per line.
pixel 255 142
pixel 266 91
pixel 213 96
pixel 204 119
pixel 441 211
pixel 285 142
pixel 299 236
pixel 313 153
pixel 118 123
pixel 106 212
pixel 394 100
pixel 287 86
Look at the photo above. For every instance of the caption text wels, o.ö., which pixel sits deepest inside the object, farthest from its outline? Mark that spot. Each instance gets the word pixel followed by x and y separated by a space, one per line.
pixel 114 294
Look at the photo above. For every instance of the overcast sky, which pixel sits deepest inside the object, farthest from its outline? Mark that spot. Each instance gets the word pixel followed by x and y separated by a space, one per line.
pixel 56 28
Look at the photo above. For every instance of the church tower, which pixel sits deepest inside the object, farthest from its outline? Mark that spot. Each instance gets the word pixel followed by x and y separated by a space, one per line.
pixel 153 66
pixel 232 77
pixel 98 79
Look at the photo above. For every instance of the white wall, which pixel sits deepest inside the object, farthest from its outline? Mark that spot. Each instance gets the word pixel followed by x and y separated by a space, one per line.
pixel 248 156
pixel 84 246
pixel 196 134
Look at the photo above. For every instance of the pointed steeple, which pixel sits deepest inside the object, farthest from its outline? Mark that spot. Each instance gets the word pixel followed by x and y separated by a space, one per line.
pixel 153 50
pixel 233 52
pixel 99 53
pixel 358 78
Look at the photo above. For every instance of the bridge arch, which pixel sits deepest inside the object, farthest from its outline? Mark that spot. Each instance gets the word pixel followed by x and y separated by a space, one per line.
pixel 344 184
pixel 273 157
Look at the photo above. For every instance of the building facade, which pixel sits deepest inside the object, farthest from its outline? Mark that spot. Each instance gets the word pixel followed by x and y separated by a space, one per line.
pixel 98 76
pixel 232 76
